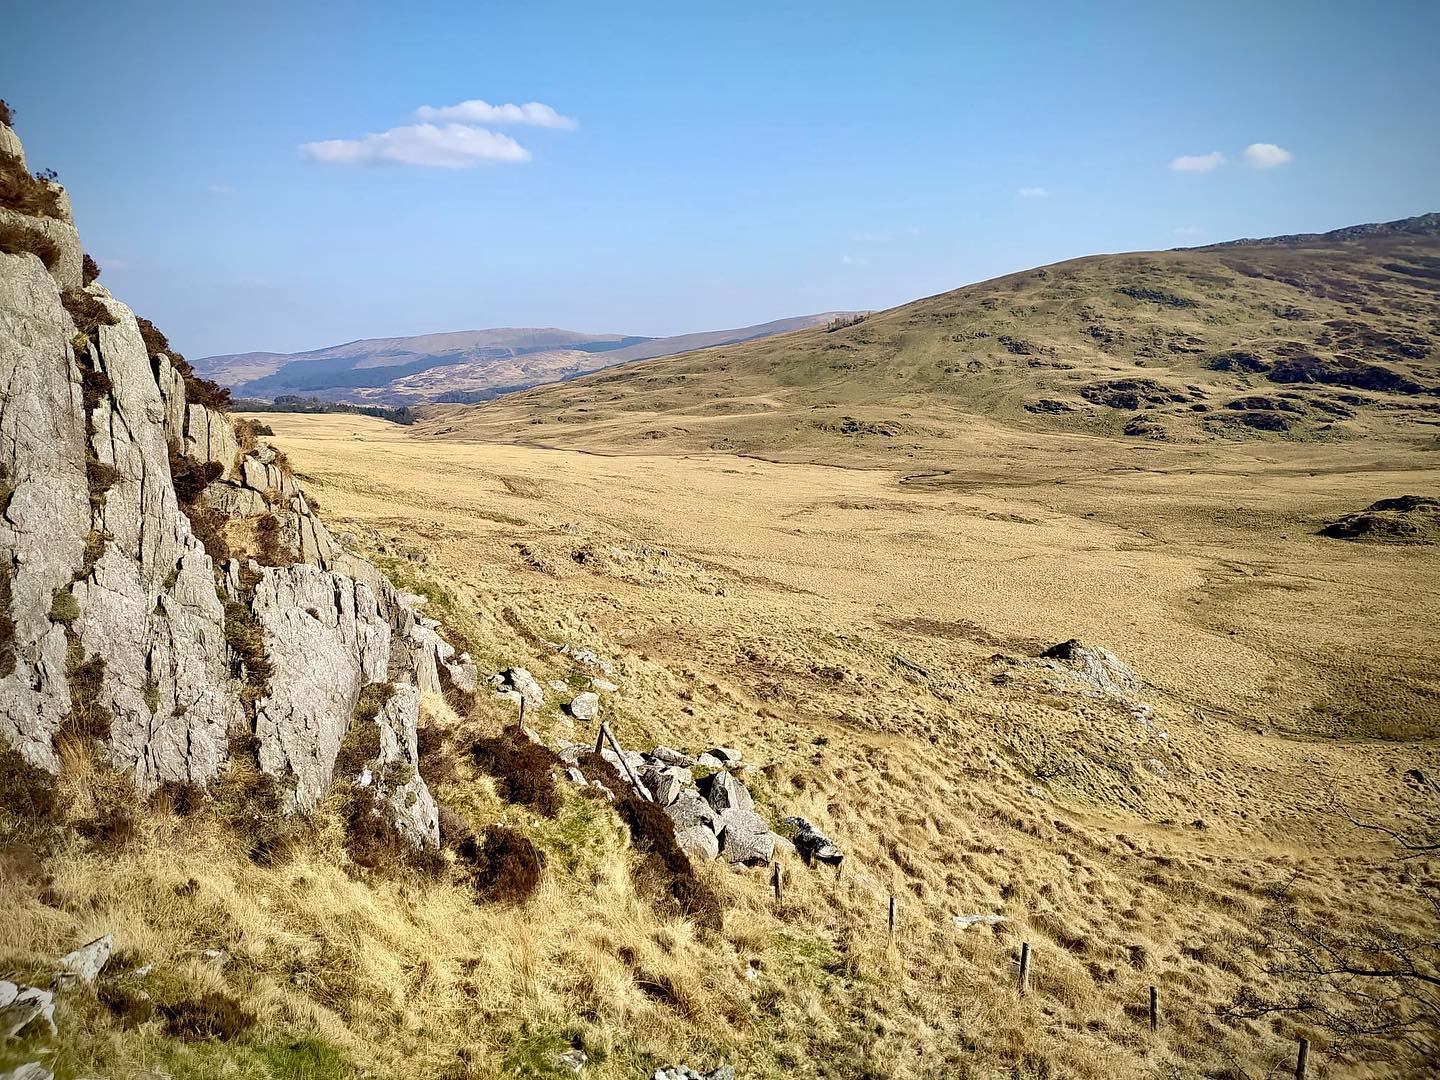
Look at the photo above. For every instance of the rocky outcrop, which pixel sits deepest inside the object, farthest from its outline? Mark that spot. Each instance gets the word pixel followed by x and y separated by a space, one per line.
pixel 1408 519
pixel 163 577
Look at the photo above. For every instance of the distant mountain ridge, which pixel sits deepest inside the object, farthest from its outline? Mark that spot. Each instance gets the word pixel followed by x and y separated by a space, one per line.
pixel 460 366
pixel 1419 226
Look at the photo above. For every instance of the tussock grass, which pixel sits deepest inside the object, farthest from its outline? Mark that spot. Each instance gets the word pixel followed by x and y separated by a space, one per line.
pixel 18 239
pixel 24 193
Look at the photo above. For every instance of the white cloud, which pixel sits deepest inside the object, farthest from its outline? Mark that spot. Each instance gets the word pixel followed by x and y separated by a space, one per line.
pixel 475 111
pixel 1187 230
pixel 447 146
pixel 220 189
pixel 854 260
pixel 1034 193
pixel 1264 155
pixel 1198 162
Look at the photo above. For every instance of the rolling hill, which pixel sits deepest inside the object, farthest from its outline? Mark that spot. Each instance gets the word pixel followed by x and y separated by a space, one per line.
pixel 1313 337
pixel 463 366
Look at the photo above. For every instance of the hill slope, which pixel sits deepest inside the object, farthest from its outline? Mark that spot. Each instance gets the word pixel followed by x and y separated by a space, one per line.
pixel 467 365
pixel 1319 336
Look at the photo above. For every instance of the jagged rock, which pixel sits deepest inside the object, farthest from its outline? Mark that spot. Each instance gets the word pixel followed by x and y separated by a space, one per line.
pixel 21 1006
pixel 745 837
pixel 144 596
pixel 320 663
pixel 698 842
pixel 61 232
pixel 149 605
pixel 10 144
pixel 83 966
pixel 690 809
pixel 666 782
pixel 518 683
pixel 672 757
pixel 709 761
pixel 813 845
pixel 398 768
pixel 728 756
pixel 1098 667
pixel 585 706
pixel 723 792
pixel 575 776
pixel 233 500
pixel 210 437
pixel 604 685
pixel 30 1071
pixel 172 392
pixel 43 528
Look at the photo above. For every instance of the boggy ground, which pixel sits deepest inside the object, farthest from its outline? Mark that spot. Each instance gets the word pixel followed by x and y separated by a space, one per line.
pixel 866 636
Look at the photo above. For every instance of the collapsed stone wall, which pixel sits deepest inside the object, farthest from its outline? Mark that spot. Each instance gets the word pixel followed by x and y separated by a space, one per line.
pixel 174 655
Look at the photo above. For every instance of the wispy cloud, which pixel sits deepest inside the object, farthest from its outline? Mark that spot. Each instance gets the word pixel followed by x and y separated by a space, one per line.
pixel 220 189
pixel 447 137
pixel 1264 155
pixel 447 146
pixel 854 260
pixel 475 111
pixel 1034 193
pixel 1187 230
pixel 1198 162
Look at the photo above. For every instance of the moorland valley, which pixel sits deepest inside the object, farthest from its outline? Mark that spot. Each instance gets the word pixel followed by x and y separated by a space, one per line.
pixel 1087 613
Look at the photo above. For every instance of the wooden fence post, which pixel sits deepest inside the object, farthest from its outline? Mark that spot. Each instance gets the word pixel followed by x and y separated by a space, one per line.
pixel 775 881
pixel 606 733
pixel 1154 1010
pixel 522 710
pixel 1024 966
pixel 1302 1061
pixel 892 915
pixel 600 737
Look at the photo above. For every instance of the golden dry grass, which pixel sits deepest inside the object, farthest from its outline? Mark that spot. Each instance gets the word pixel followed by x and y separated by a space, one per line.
pixel 865 641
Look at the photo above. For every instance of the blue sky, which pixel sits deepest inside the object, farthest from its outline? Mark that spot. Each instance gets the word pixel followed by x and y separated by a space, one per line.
pixel 728 163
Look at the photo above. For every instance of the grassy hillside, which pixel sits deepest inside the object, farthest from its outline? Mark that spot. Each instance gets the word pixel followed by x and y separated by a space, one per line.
pixel 1311 337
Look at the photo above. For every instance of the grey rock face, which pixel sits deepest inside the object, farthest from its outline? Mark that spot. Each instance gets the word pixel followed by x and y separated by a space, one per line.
pixel 30 1071
pixel 210 437
pixel 519 683
pixel 666 782
pixel 690 809
pixel 723 792
pixel 21 1006
pixel 114 536
pixel 325 639
pixel 398 766
pixel 728 756
pixel 83 966
pixel 149 607
pixel 672 757
pixel 698 842
pixel 585 706
pixel 47 517
pixel 1097 667
pixel 745 838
